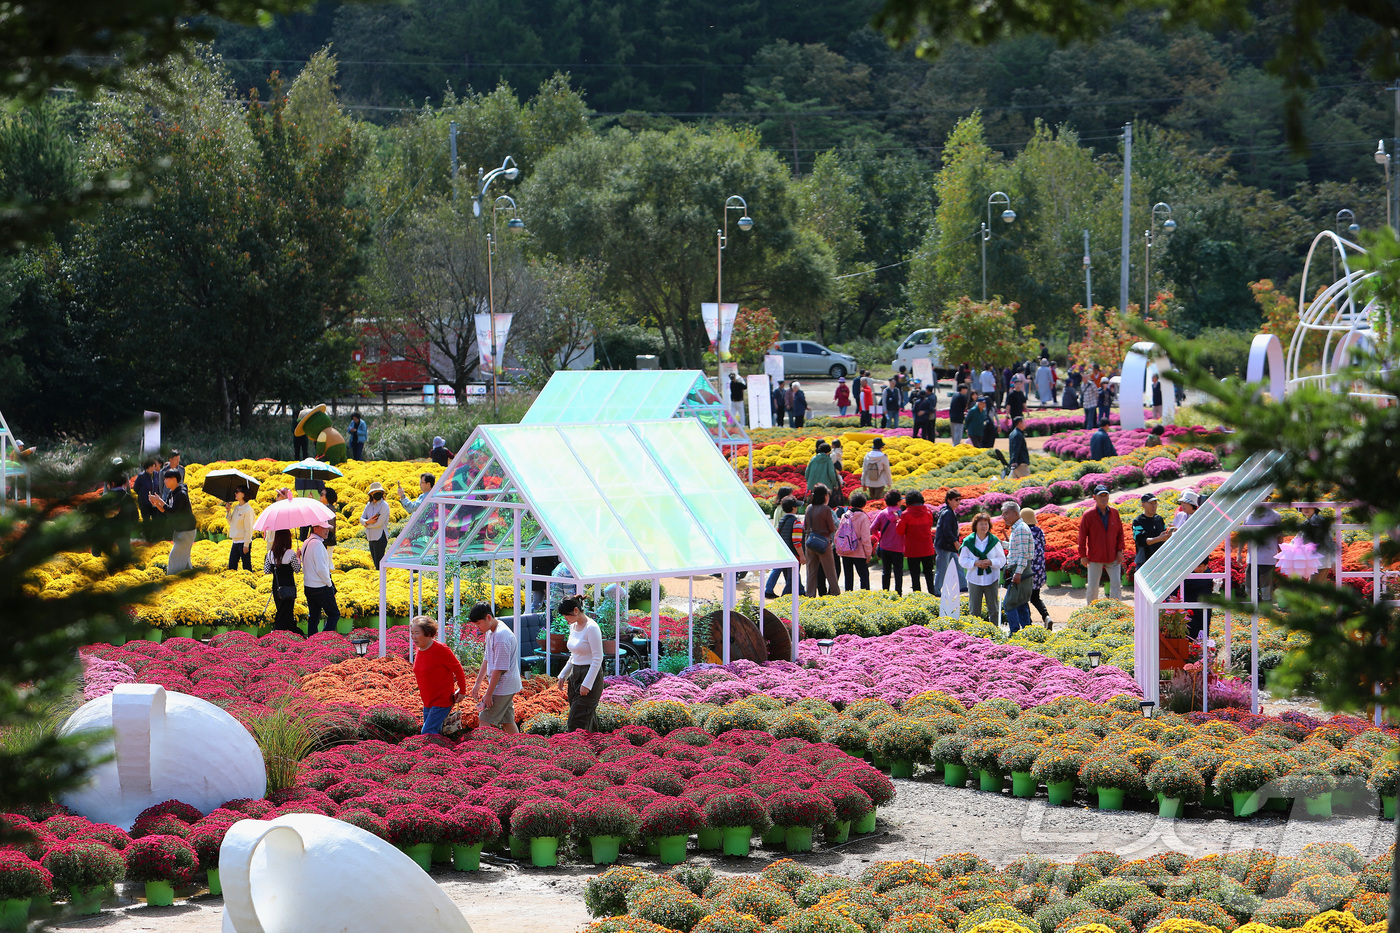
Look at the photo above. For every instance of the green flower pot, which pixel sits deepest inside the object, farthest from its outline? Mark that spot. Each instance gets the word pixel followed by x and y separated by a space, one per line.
pixel 605 849
pixel 799 839
pixel 221 630
pixel 954 775
pixel 1023 785
pixel 651 847
pixel 467 858
pixel 880 763
pixel 901 768
pixel 866 824
pixel 736 839
pixel 544 851
pixel 202 632
pixel 182 631
pixel 1061 793
pixel 1169 808
pixel 838 832
pixel 1213 801
pixel 1388 806
pixel 159 894
pixel 118 640
pixel 14 914
pixel 155 634
pixel 776 836
pixel 519 848
pixel 671 849
pixel 709 839
pixel 442 852
pixel 345 625
pixel 422 853
pixel 1321 805
pixel 87 901
pixel 216 886
pixel 1343 799
pixel 1110 798
pixel 1279 803
pixel 1245 802
pixel 1077 582
pixel 990 781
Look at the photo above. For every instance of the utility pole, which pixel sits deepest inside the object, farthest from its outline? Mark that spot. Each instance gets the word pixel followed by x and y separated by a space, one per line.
pixel 1088 282
pixel 452 145
pixel 1393 195
pixel 1127 216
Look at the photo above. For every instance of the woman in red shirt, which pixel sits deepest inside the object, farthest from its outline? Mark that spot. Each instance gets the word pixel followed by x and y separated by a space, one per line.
pixel 916 526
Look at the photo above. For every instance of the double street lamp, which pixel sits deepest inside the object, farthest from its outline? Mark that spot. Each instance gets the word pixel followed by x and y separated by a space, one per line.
pixel 1008 215
pixel 744 223
pixel 1353 228
pixel 1168 225
pixel 510 172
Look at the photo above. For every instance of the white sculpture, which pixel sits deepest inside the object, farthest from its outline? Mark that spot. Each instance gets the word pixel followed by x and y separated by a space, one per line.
pixel 307 873
pixel 1143 361
pixel 1266 356
pixel 169 746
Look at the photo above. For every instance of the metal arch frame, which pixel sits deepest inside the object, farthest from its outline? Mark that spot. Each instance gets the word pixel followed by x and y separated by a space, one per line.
pixel 479 497
pixel 1333 312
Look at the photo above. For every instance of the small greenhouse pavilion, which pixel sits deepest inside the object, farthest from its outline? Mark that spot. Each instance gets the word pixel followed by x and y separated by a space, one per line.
pixel 644 500
pixel 12 470
pixel 1158 584
pixel 612 396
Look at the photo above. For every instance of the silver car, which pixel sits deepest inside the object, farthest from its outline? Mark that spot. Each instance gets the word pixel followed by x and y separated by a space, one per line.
pixel 805 358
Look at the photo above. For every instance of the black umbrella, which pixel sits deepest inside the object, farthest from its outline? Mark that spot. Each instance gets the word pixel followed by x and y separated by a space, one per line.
pixel 221 483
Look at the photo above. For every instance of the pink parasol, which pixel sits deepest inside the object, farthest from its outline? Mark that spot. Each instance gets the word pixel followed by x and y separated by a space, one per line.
pixel 292 513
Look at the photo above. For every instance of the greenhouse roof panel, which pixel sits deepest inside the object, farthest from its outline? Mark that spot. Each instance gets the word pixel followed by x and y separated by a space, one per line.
pixel 1225 510
pixel 616 395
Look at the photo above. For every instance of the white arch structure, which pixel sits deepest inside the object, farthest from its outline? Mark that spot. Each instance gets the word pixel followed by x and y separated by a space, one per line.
pixel 1335 315
pixel 1266 355
pixel 1143 361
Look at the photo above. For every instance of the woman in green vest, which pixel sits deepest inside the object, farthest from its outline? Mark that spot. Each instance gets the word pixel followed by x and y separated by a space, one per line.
pixel 982 556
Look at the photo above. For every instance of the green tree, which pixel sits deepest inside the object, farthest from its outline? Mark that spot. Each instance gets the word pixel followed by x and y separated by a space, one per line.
pixel 1340 446
pixel 648 206
pixel 983 330
pixel 234 282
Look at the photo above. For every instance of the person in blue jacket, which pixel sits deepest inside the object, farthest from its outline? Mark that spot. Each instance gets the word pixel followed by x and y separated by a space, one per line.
pixel 356 433
pixel 1101 445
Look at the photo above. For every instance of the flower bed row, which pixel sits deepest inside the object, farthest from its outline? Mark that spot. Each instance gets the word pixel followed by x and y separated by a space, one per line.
pixel 1233 761
pixel 1074 445
pixel 1328 888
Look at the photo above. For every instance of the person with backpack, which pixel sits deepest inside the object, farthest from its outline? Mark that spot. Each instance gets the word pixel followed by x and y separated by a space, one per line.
pixel 875 469
pixel 790 530
pixel 817 542
pixel 891 542
pixel 853 544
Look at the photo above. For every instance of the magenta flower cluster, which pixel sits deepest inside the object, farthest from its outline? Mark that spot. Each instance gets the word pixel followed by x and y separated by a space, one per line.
pixel 889 667
pixel 1074 445
pixel 101 675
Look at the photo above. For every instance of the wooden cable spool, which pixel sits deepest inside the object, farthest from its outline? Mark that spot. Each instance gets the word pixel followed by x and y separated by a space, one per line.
pixel 745 640
pixel 778 636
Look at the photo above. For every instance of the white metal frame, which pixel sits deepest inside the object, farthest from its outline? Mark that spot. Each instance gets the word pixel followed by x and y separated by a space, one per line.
pixel 481 498
pixel 1146 610
pixel 9 445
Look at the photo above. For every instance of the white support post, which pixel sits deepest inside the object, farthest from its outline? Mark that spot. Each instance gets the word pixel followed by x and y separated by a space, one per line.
pixel 617 637
pixel 690 619
pixel 1254 663
pixel 457 605
pixel 516 593
pixel 1205 669
pixel 726 607
pixel 442 573
pixel 796 569
pixel 383 611
pixel 655 623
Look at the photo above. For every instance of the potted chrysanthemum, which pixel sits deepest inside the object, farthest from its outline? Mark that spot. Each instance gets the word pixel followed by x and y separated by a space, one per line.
pixel 605 821
pixel 85 869
pixel 903 743
pixel 948 752
pixel 800 812
pixel 1176 782
pixel 543 821
pixel 848 802
pixel 1240 779
pixel 206 838
pixel 1313 786
pixel 415 829
pixel 160 863
pixel 1385 781
pixel 738 813
pixel 981 756
pixel 670 821
pixel 1058 770
pixel 1112 776
pixel 466 829
pixel 1018 758
pixel 21 880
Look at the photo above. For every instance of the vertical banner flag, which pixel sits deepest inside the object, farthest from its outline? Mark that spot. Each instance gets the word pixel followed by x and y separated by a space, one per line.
pixel 502 329
pixel 760 401
pixel 709 313
pixel 150 434
pixel 773 366
pixel 727 313
pixel 483 342
pixel 923 371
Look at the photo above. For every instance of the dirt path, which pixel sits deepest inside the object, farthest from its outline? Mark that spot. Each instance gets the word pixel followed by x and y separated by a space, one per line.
pixel 927 820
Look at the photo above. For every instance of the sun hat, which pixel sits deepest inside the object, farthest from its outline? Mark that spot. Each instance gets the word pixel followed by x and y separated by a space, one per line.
pixel 439 442
pixel 1190 498
pixel 375 487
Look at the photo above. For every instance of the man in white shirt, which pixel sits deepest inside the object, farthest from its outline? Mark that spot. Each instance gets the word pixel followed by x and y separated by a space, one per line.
pixel 500 666
pixel 316 581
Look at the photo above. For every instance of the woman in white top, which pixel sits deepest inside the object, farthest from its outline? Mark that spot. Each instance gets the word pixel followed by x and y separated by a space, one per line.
pixel 375 518
pixel 240 530
pixel 582 675
pixel 982 557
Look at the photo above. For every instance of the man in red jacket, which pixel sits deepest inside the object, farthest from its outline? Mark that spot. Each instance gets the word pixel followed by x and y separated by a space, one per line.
pixel 1101 545
pixel 441 680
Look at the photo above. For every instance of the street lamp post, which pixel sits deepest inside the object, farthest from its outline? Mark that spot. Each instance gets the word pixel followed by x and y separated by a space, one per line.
pixel 1007 216
pixel 510 172
pixel 1384 159
pixel 1353 228
pixel 745 223
pixel 1168 225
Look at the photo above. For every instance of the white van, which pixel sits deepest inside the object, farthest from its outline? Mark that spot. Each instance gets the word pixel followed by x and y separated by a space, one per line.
pixel 922 344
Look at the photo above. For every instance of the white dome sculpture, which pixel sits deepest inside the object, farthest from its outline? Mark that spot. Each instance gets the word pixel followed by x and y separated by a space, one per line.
pixel 307 873
pixel 169 746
